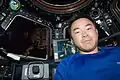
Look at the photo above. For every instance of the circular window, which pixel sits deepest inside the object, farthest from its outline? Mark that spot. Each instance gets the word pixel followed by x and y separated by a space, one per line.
pixel 61 6
pixel 60 2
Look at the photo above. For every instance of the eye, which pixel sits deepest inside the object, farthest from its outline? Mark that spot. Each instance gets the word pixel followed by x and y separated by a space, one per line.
pixel 89 28
pixel 77 32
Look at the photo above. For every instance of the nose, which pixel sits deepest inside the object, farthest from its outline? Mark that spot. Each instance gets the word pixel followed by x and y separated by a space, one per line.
pixel 84 34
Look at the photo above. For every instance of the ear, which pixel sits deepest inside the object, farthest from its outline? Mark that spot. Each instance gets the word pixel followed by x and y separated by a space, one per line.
pixel 72 41
pixel 97 32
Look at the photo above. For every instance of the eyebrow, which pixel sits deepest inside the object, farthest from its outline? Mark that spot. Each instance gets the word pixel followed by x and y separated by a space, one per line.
pixel 85 26
pixel 75 29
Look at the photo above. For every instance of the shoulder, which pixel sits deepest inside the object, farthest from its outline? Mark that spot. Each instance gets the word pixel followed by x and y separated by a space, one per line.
pixel 68 60
pixel 64 64
pixel 110 48
pixel 63 67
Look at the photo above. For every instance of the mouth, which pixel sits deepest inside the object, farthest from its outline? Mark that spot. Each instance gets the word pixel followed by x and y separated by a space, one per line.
pixel 86 41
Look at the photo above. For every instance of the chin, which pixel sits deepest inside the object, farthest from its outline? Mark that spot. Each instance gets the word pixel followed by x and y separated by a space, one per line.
pixel 88 49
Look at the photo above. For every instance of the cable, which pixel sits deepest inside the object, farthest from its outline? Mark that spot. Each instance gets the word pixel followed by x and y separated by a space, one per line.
pixel 111 36
pixel 11 55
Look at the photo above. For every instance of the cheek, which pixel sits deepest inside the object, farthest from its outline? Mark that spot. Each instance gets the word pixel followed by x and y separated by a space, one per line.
pixel 77 40
pixel 76 37
pixel 94 36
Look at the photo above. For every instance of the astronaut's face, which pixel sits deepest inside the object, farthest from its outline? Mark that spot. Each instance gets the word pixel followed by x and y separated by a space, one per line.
pixel 84 34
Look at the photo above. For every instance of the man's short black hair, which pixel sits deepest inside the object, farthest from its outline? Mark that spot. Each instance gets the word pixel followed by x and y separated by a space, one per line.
pixel 78 16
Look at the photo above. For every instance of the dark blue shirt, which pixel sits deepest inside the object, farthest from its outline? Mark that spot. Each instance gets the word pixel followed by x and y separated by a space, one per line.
pixel 104 65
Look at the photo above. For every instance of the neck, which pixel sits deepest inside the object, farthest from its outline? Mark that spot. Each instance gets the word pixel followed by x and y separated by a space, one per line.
pixel 91 52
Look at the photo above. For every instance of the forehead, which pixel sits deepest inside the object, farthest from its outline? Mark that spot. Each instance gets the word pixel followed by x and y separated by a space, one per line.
pixel 81 22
